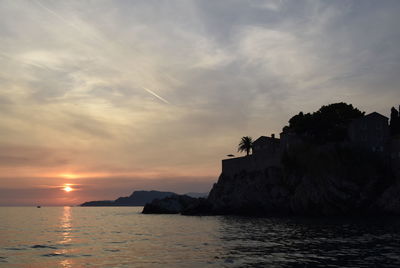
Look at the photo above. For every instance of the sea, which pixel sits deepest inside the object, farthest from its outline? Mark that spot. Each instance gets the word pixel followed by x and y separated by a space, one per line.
pixel 123 237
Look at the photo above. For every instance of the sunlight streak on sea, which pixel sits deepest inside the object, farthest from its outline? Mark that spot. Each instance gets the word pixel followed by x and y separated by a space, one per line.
pixel 123 237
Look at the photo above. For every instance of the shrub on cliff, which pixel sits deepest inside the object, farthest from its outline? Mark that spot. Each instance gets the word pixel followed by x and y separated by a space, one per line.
pixel 328 124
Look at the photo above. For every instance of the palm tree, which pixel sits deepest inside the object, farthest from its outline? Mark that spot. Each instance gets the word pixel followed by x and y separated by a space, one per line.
pixel 245 145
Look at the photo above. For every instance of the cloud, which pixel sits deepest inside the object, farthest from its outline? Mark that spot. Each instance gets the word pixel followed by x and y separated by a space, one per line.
pixel 19 155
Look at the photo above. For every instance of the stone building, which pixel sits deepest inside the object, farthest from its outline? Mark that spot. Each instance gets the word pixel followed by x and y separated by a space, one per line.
pixel 266 153
pixel 370 132
pixel 266 145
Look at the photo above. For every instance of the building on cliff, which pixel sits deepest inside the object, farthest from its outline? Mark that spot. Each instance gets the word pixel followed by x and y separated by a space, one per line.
pixel 371 132
pixel 266 145
pixel 266 152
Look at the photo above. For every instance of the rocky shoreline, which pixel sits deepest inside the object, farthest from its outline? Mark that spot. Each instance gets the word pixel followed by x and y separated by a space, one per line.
pixel 335 180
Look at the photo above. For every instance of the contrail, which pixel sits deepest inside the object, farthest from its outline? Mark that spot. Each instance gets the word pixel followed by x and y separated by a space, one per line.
pixel 155 95
pixel 66 21
pixel 92 36
pixel 57 15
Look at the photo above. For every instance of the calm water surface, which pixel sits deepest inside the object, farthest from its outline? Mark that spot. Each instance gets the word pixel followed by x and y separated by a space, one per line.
pixel 122 237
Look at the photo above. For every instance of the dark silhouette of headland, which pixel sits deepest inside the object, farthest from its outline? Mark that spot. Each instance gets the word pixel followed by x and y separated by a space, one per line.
pixel 137 198
pixel 337 161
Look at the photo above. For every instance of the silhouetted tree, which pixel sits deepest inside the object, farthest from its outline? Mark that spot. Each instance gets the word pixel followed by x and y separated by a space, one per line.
pixel 245 145
pixel 329 123
pixel 394 121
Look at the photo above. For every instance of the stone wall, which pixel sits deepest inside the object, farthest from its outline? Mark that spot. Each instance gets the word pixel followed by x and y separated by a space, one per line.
pixel 254 162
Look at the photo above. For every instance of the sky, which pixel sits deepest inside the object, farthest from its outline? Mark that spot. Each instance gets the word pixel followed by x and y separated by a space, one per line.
pixel 116 96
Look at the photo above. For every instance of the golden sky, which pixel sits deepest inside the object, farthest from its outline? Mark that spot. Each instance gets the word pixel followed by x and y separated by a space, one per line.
pixel 117 96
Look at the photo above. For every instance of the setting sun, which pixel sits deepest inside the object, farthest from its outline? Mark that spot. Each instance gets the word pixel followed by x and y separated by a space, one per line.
pixel 67 189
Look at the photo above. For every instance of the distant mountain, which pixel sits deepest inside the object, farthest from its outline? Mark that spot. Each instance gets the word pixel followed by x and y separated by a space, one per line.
pixel 197 195
pixel 137 198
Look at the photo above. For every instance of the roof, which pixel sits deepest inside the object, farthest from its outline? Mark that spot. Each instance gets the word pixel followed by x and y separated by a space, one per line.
pixel 264 139
pixel 375 114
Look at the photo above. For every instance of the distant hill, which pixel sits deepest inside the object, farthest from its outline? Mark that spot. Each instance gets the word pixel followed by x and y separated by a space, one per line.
pixel 137 198
pixel 197 195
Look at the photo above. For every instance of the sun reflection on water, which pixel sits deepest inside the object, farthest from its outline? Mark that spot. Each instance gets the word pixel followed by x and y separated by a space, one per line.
pixel 66 263
pixel 65 226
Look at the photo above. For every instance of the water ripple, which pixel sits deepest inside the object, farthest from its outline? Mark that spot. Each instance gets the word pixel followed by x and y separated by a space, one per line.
pixel 116 237
pixel 55 254
pixel 12 248
pixel 44 246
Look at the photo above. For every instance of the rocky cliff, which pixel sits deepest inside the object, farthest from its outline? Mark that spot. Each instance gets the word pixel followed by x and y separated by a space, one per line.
pixel 325 180
pixel 328 180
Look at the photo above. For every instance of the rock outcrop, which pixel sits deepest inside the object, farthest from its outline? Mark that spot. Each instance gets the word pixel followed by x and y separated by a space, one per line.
pixel 250 192
pixel 328 180
pixel 178 204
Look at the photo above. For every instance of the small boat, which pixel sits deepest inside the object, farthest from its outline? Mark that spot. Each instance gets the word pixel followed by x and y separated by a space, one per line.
pixel 38 206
